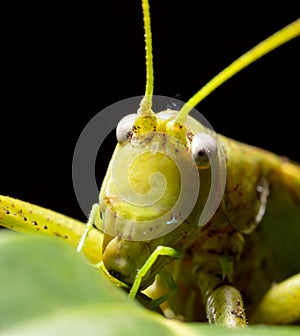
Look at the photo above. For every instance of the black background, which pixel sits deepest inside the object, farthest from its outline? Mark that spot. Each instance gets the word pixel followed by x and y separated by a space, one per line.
pixel 62 65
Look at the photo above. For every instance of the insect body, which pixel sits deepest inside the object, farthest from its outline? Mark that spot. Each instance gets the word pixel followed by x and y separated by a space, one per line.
pixel 214 249
pixel 144 228
pixel 137 232
pixel 168 156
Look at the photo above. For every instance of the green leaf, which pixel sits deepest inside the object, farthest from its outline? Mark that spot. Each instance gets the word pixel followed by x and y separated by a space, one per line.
pixel 49 289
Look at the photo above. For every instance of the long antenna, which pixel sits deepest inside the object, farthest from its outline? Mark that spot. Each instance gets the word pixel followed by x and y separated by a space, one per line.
pixel 282 36
pixel 146 103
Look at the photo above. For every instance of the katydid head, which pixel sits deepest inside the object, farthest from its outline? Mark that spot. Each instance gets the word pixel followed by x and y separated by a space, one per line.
pixel 153 180
pixel 165 180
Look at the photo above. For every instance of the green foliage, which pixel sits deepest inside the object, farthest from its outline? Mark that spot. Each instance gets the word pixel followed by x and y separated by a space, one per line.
pixel 49 289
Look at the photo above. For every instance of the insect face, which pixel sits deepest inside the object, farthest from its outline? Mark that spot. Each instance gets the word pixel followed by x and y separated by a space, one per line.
pixel 152 192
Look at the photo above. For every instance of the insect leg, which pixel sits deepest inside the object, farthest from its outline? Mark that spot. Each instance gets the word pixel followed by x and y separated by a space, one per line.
pixel 94 217
pixel 225 307
pixel 165 281
pixel 159 251
pixel 214 259
pixel 224 304
pixel 281 303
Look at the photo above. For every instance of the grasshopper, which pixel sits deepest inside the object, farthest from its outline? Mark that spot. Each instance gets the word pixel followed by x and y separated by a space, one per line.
pixel 213 266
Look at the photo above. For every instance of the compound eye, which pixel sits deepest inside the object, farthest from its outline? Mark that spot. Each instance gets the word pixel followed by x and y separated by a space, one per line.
pixel 124 128
pixel 204 150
